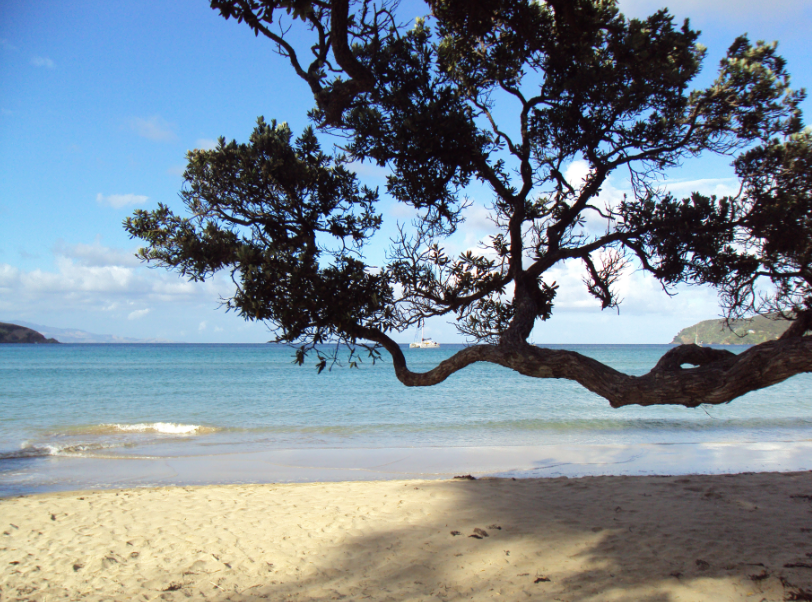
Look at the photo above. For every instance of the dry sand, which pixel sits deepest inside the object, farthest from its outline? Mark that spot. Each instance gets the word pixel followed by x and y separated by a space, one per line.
pixel 642 539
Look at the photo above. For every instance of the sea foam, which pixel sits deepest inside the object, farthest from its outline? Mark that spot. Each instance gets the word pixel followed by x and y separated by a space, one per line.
pixel 168 428
pixel 42 450
pixel 85 440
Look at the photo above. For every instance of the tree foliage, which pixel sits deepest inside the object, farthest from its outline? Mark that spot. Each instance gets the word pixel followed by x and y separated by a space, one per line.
pixel 428 100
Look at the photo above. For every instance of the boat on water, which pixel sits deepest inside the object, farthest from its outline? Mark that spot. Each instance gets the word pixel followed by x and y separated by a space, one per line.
pixel 424 343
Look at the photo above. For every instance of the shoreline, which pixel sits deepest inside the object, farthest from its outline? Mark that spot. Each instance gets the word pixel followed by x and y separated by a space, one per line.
pixel 317 465
pixel 699 537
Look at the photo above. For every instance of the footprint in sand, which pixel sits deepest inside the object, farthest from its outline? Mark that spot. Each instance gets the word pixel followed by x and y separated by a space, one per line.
pixel 479 533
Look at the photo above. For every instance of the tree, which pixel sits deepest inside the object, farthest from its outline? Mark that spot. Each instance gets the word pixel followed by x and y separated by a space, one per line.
pixel 291 223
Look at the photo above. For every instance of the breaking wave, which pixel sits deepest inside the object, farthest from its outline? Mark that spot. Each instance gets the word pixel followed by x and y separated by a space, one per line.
pixel 167 428
pixel 88 440
pixel 41 451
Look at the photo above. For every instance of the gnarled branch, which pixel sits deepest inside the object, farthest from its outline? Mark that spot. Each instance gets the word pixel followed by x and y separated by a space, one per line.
pixel 719 376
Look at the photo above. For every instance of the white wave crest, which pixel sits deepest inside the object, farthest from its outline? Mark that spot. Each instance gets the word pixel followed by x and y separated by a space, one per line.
pixel 169 428
pixel 89 440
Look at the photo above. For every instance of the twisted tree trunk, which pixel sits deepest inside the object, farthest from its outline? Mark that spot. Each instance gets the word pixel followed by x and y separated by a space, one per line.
pixel 714 376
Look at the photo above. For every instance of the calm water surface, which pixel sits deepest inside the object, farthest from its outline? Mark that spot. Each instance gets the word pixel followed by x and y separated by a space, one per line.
pixel 114 401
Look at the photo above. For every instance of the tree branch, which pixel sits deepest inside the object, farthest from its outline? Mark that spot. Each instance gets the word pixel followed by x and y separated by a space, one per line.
pixel 364 81
pixel 720 375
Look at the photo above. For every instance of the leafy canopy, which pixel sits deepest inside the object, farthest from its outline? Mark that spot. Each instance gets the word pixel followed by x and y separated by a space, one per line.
pixel 428 100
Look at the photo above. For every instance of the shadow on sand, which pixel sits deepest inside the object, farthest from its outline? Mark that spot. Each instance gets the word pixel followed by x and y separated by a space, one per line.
pixel 654 539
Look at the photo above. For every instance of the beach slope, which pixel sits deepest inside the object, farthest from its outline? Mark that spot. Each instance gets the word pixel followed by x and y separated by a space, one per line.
pixel 655 539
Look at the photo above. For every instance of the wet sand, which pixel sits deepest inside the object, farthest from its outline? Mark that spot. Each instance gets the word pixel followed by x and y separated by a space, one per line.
pixel 228 465
pixel 649 538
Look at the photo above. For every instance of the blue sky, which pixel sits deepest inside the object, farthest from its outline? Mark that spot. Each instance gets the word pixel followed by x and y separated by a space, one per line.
pixel 99 102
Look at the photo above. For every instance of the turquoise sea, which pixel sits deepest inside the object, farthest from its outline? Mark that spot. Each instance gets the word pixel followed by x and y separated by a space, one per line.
pixel 85 416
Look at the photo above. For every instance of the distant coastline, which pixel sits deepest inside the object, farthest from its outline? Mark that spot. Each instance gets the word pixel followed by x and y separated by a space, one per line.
pixel 13 333
pixel 735 332
pixel 74 335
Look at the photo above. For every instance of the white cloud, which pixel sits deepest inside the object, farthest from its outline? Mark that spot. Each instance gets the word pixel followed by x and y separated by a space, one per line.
pixel 709 186
pixel 96 278
pixel 72 277
pixel 9 275
pixel 572 293
pixel 4 43
pixel 96 255
pixel 137 314
pixel 153 128
pixel 640 294
pixel 104 289
pixel 576 174
pixel 43 61
pixel 202 326
pixel 206 144
pixel 121 200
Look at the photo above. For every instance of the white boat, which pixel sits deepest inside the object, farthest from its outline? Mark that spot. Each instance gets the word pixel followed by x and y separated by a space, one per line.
pixel 424 343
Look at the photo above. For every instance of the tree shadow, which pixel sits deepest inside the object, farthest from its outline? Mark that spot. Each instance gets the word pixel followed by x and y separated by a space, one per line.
pixel 641 539
pixel 655 539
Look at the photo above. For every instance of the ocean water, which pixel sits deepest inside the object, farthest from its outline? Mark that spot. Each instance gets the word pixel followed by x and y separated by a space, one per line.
pixel 63 406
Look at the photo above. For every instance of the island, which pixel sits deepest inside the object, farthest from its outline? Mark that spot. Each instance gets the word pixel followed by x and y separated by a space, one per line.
pixel 12 333
pixel 736 332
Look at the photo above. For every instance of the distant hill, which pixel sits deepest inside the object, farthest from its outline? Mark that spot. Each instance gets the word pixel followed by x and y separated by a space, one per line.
pixel 13 333
pixel 73 335
pixel 744 332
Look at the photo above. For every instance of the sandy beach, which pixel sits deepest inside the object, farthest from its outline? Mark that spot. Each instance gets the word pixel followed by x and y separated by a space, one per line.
pixel 657 539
